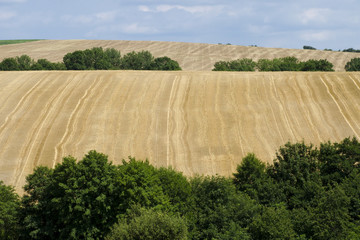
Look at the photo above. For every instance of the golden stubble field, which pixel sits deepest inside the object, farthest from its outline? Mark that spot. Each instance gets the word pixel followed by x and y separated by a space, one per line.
pixel 198 122
pixel 191 56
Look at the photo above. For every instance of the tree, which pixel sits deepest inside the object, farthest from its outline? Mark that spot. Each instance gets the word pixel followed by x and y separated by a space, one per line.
pixel 9 207
pixel 141 185
pixel 176 187
pixel 137 61
pixel 149 224
pixel 217 210
pixel 297 170
pixel 83 196
pixel 9 64
pixel 24 62
pixel 317 65
pixel 272 223
pixel 165 63
pixel 339 160
pixel 75 61
pixel 244 64
pixel 114 57
pixel 353 65
pixel 309 47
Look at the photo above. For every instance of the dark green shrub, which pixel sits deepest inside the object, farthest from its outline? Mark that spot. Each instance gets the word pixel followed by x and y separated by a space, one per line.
pixel 9 64
pixel 165 64
pixel 137 61
pixel 353 65
pixel 149 224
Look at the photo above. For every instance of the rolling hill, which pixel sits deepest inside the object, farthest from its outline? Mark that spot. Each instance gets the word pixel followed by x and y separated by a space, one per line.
pixel 191 56
pixel 198 121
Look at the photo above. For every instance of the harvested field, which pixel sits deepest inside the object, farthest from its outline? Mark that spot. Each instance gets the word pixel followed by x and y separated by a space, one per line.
pixel 197 122
pixel 191 56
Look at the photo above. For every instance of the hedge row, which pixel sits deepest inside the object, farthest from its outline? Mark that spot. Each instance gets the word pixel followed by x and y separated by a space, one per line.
pixel 93 59
pixel 277 64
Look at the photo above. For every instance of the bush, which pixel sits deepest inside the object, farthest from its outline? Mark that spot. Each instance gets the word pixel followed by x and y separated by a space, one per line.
pixel 309 47
pixel 353 65
pixel 149 224
pixel 165 63
pixel 236 65
pixel 9 207
pixel 9 64
pixel 137 61
pixel 322 65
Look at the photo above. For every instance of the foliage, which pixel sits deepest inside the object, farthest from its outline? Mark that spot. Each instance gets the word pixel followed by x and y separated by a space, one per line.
pixel 276 64
pixel 149 224
pixel 218 211
pixel 353 65
pixel 137 61
pixel 306 193
pixel 272 223
pixel 244 64
pixel 317 65
pixel 83 196
pixel 9 64
pixel 93 59
pixel 9 207
pixel 351 50
pixel 309 47
pixel 141 185
pixel 176 187
pixel 165 64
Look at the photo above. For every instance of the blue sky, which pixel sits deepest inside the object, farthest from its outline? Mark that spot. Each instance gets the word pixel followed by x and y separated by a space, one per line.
pixel 322 24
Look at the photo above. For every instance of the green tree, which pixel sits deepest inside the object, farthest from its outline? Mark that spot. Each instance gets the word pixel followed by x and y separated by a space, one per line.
pixel 9 208
pixel 149 224
pixel 309 47
pixel 24 62
pixel 141 185
pixel 217 210
pixel 176 187
pixel 165 64
pixel 83 196
pixel 244 64
pixel 75 61
pixel 272 223
pixel 331 219
pixel 322 65
pixel 353 65
pixel 9 64
pixel 114 57
pixel 296 169
pixel 339 160
pixel 137 61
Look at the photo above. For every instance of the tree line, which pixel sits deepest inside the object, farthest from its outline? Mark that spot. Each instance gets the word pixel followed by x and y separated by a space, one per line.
pixel 282 64
pixel 306 193
pixel 93 59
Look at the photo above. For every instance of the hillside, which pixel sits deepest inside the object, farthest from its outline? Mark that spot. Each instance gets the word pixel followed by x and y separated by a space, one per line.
pixel 191 56
pixel 197 122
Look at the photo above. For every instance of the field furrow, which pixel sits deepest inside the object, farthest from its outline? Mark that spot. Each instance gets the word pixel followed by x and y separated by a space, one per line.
pixel 197 122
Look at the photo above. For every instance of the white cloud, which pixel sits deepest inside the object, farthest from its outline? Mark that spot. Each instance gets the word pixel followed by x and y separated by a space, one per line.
pixel 106 16
pixel 316 36
pixel 189 9
pixel 91 18
pixel 135 28
pixel 315 15
pixel 4 15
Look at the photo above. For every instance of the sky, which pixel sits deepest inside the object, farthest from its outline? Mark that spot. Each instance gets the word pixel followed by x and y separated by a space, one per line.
pixel 332 24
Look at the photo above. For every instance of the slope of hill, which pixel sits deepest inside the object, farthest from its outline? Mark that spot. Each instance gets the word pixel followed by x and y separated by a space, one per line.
pixel 191 56
pixel 197 122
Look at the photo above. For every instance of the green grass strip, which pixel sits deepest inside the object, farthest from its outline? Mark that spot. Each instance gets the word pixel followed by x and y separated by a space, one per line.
pixel 6 42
